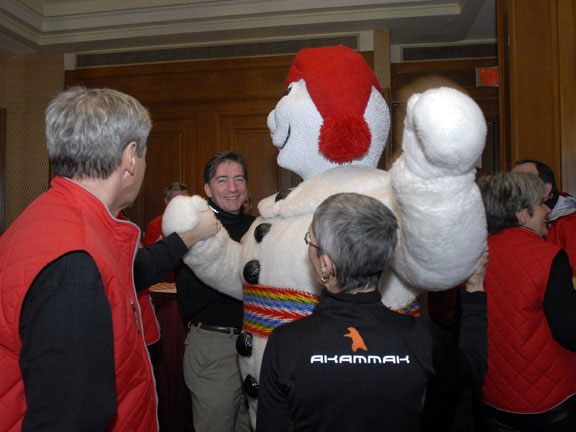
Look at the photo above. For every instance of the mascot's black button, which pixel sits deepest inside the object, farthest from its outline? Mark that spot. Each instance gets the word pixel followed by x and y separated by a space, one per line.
pixel 261 230
pixel 252 272
pixel 244 344
pixel 251 387
pixel 282 194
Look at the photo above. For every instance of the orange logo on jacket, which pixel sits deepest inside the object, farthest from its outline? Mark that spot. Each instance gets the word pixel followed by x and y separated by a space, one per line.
pixel 357 341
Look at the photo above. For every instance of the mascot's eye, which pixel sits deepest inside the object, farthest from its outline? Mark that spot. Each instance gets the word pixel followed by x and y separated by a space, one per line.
pixel 287 92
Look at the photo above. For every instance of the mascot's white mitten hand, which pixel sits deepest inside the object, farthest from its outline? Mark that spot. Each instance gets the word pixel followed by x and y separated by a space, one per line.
pixel 444 133
pixel 182 214
pixel 215 260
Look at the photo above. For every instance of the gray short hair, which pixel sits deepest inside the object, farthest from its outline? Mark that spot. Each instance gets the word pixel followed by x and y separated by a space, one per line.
pixel 174 187
pixel 505 194
pixel 88 129
pixel 359 234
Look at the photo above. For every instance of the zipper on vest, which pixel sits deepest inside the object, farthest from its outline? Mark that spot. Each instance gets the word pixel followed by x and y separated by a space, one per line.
pixel 135 315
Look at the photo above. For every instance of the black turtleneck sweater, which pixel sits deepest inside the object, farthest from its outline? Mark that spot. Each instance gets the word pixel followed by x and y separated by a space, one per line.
pixel 202 303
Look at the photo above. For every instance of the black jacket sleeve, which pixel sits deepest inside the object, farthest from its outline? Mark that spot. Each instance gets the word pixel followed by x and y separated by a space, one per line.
pixel 560 302
pixel 67 356
pixel 273 411
pixel 465 366
pixel 156 261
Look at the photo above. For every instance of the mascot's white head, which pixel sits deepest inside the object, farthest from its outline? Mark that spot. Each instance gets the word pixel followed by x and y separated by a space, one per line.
pixel 332 114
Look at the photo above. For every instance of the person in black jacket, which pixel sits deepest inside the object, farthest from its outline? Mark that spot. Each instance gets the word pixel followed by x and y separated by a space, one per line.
pixel 211 368
pixel 354 365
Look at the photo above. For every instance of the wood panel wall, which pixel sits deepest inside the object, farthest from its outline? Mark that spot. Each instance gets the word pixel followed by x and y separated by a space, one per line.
pixel 537 54
pixel 199 108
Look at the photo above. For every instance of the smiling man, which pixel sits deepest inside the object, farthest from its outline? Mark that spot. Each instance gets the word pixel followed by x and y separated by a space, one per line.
pixel 225 182
pixel 215 319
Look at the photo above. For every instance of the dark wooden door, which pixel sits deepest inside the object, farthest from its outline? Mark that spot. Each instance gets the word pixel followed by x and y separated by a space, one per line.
pixel 170 157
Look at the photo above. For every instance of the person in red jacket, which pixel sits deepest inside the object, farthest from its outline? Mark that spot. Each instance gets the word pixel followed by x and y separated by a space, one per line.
pixel 531 379
pixel 153 231
pixel 72 350
pixel 562 219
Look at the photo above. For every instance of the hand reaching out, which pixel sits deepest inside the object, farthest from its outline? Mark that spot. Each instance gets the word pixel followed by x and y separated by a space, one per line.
pixel 207 227
pixel 476 281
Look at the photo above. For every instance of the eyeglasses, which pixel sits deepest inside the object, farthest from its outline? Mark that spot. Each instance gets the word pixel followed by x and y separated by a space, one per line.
pixel 308 242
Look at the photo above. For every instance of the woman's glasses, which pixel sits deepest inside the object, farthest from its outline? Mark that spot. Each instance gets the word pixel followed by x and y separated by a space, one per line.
pixel 308 242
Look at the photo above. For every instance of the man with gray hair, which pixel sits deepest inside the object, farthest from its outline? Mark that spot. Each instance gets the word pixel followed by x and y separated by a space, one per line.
pixel 72 351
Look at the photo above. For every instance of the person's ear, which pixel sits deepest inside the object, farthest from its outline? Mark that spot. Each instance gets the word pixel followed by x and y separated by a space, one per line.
pixel 207 190
pixel 548 190
pixel 522 216
pixel 326 266
pixel 129 156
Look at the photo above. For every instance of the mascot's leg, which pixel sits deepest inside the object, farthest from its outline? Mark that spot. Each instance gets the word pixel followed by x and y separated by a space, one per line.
pixel 250 362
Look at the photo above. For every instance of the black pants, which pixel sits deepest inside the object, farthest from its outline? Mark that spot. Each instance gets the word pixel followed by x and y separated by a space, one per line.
pixel 559 419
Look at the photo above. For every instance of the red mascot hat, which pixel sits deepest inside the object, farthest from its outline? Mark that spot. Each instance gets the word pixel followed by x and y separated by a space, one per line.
pixel 339 82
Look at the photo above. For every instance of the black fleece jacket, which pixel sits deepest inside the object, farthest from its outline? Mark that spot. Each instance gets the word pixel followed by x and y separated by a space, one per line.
pixel 354 365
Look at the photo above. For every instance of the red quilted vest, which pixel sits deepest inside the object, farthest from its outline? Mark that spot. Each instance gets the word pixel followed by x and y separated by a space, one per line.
pixel 149 320
pixel 562 233
pixel 64 219
pixel 528 371
pixel 152 235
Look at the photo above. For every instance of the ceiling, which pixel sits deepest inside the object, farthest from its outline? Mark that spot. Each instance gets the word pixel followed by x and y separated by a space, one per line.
pixel 33 26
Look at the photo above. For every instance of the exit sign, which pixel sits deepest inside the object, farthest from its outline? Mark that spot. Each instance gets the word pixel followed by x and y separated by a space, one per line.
pixel 487 76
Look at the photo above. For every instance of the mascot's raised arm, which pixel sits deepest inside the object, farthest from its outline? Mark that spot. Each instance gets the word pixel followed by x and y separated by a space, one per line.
pixel 331 127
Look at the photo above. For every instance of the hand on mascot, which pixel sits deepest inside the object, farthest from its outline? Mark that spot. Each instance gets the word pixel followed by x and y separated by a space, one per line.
pixel 191 218
pixel 206 228
pixel 476 281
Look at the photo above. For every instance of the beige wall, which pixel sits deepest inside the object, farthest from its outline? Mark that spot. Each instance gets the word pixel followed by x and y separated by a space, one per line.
pixel 27 84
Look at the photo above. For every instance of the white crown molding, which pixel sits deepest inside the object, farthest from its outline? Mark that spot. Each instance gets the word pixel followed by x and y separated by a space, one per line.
pixel 10 45
pixel 20 29
pixel 21 12
pixel 265 22
pixel 71 25
pixel 61 8
pixel 221 21
pixel 34 5
pixel 99 6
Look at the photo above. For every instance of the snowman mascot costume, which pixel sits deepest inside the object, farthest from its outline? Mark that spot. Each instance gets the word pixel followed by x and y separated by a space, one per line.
pixel 331 128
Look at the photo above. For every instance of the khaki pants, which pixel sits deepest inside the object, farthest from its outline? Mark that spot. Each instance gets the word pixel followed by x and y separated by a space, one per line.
pixel 213 377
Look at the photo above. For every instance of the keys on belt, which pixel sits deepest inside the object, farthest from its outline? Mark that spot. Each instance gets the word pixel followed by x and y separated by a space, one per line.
pixel 225 330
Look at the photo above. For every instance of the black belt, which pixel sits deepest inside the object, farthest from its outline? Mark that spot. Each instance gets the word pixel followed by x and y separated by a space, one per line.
pixel 226 330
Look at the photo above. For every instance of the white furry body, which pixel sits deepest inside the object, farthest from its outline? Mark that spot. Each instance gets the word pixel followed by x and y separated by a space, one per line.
pixel 438 254
pixel 431 189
